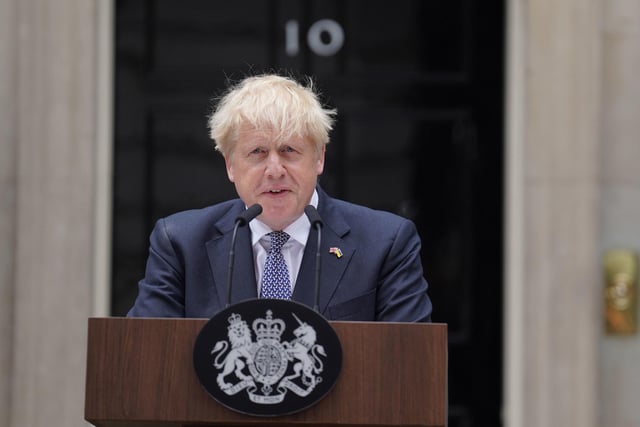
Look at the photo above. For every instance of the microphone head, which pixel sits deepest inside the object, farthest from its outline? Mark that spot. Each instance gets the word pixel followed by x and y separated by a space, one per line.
pixel 313 215
pixel 250 213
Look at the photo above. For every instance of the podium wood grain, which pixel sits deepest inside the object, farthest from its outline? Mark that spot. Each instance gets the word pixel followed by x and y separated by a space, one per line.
pixel 140 373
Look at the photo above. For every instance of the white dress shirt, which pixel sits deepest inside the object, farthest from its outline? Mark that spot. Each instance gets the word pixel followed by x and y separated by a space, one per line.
pixel 293 249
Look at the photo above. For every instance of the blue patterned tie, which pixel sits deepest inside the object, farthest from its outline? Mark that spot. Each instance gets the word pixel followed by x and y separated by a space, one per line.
pixel 275 277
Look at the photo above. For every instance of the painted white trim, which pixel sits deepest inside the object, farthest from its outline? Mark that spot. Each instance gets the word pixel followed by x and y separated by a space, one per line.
pixel 103 160
pixel 513 331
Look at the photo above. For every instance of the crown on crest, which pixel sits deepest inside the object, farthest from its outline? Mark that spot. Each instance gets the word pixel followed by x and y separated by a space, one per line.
pixel 268 328
pixel 234 318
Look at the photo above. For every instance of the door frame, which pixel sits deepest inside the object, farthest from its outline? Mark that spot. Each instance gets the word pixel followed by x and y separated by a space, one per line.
pixel 513 400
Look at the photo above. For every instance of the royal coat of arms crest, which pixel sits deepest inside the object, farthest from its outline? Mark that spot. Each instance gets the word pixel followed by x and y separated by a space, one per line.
pixel 267 357
pixel 268 368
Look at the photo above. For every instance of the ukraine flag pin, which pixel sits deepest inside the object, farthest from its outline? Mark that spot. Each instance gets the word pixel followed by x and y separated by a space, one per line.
pixel 336 251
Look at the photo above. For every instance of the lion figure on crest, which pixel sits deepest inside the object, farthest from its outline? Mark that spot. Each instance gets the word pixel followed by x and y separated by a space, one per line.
pixel 239 336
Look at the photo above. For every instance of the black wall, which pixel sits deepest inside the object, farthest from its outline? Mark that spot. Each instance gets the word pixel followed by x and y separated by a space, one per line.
pixel 418 86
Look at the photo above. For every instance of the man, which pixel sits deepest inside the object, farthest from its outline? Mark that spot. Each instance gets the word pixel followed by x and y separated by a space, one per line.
pixel 272 133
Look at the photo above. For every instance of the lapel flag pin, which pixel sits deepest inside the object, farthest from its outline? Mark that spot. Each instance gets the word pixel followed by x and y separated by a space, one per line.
pixel 336 251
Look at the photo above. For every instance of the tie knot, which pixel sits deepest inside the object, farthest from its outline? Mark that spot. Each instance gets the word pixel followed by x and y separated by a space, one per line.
pixel 278 239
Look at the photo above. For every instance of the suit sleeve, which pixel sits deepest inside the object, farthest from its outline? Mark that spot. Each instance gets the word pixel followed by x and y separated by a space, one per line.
pixel 161 291
pixel 402 290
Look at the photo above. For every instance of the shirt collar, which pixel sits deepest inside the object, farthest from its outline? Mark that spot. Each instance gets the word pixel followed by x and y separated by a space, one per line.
pixel 298 229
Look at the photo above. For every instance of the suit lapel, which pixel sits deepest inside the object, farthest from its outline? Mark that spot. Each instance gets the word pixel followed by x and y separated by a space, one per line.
pixel 332 267
pixel 244 279
pixel 244 285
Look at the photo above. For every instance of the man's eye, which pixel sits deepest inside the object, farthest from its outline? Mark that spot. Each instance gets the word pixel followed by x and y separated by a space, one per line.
pixel 256 151
pixel 288 149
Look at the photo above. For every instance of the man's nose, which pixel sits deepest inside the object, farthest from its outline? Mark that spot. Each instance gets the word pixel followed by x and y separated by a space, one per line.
pixel 275 167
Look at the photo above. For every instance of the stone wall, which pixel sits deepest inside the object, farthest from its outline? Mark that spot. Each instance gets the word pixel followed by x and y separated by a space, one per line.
pixel 619 371
pixel 48 84
pixel 552 284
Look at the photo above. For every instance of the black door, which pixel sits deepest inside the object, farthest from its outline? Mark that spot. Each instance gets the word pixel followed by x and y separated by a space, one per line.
pixel 418 88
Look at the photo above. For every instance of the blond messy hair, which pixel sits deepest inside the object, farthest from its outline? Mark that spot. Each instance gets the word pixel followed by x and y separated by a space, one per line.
pixel 271 103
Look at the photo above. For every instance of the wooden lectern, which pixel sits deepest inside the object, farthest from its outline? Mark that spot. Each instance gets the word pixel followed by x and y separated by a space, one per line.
pixel 140 374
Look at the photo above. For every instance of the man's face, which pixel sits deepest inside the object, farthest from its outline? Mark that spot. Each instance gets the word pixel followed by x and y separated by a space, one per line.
pixel 279 175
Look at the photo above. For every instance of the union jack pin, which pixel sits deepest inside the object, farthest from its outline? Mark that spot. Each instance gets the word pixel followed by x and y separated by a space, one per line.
pixel 336 251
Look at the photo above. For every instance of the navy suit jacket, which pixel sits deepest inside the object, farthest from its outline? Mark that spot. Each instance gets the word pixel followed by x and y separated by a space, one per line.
pixel 379 277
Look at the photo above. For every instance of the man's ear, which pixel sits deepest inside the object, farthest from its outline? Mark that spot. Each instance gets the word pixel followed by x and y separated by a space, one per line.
pixel 229 165
pixel 320 161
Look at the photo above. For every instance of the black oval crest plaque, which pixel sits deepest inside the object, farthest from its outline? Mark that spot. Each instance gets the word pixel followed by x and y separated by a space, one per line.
pixel 267 357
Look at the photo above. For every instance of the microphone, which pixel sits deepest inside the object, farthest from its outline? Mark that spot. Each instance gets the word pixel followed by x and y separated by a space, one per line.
pixel 241 220
pixel 316 221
